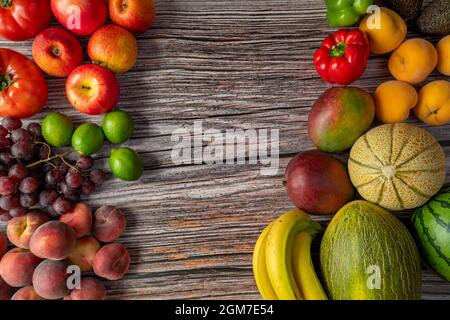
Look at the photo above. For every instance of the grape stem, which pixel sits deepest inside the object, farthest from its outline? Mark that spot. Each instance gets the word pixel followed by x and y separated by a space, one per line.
pixel 50 158
pixel 60 156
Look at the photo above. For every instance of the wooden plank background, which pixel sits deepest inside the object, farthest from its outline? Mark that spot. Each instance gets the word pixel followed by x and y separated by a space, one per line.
pixel 232 64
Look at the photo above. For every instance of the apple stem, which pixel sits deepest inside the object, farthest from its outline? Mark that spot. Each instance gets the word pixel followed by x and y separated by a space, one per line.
pixel 124 5
pixel 5 4
pixel 56 51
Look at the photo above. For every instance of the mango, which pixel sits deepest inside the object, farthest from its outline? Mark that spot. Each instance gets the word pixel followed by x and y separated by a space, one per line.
pixel 339 117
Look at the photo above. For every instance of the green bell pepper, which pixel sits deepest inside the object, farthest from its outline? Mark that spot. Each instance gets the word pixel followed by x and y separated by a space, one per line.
pixel 345 13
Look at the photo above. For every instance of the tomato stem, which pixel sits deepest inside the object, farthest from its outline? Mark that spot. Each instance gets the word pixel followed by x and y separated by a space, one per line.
pixel 6 4
pixel 5 82
pixel 338 50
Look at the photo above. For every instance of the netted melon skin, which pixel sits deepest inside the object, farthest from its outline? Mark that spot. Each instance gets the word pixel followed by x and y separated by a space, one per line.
pixel 397 166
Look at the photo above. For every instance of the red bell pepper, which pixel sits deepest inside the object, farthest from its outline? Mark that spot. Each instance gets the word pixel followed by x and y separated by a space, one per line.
pixel 343 56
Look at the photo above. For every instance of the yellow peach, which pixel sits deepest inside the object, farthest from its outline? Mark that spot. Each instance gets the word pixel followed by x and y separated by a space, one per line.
pixel 413 61
pixel 434 103
pixel 443 49
pixel 394 100
pixel 385 33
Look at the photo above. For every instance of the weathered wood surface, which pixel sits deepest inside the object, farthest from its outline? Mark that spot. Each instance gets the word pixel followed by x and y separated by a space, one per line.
pixel 232 64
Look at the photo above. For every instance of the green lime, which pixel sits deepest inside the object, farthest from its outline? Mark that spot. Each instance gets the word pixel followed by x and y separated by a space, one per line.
pixel 126 164
pixel 87 139
pixel 118 126
pixel 57 129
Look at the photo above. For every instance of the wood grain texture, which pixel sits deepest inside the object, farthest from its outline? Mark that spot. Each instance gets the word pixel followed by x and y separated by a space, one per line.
pixel 232 64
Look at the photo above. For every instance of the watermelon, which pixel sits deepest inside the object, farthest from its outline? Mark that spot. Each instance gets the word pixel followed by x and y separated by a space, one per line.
pixel 368 254
pixel 432 225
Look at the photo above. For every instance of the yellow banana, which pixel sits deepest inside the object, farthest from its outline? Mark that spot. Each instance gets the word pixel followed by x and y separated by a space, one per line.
pixel 279 253
pixel 259 267
pixel 304 272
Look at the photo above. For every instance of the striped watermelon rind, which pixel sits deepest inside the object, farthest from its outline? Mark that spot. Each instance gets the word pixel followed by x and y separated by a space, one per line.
pixel 432 225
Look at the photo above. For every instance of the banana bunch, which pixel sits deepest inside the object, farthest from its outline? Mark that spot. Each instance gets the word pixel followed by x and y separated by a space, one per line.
pixel 282 263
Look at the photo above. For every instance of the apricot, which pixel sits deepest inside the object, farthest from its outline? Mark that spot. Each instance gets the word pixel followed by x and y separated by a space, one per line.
pixel 21 229
pixel 50 279
pixel 434 103
pixel 17 267
pixel 26 293
pixel 79 218
pixel 443 50
pixel 84 252
pixel 388 34
pixel 112 261
pixel 394 101
pixel 3 244
pixel 53 240
pixel 109 223
pixel 5 290
pixel 90 289
pixel 413 61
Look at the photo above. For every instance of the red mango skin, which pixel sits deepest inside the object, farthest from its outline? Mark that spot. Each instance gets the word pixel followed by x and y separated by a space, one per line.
pixel 339 117
pixel 318 183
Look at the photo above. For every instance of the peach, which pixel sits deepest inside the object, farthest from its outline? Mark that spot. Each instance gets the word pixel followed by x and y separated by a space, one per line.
pixel 53 240
pixel 17 267
pixel 79 218
pixel 3 244
pixel 112 261
pixel 5 290
pixel 21 229
pixel 113 47
pixel 394 100
pixel 26 293
pixel 90 289
pixel 50 279
pixel 57 52
pixel 84 252
pixel 413 61
pixel 109 223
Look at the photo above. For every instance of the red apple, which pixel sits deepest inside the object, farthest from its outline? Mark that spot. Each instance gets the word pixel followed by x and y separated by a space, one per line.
pixel 133 15
pixel 92 89
pixel 113 47
pixel 57 52
pixel 82 17
pixel 318 183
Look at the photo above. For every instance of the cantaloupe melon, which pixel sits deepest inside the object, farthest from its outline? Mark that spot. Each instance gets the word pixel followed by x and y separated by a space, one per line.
pixel 397 166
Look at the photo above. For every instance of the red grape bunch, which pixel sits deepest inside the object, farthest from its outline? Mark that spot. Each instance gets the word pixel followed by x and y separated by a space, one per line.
pixel 33 175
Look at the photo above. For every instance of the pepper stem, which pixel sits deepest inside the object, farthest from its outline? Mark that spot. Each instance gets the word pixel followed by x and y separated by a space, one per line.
pixel 338 50
pixel 6 4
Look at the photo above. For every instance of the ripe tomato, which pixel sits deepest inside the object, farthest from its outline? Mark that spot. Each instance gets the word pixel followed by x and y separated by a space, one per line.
pixel 23 19
pixel 23 87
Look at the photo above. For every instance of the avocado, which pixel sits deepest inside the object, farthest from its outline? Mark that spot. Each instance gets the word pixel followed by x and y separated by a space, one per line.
pixel 435 19
pixel 407 9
